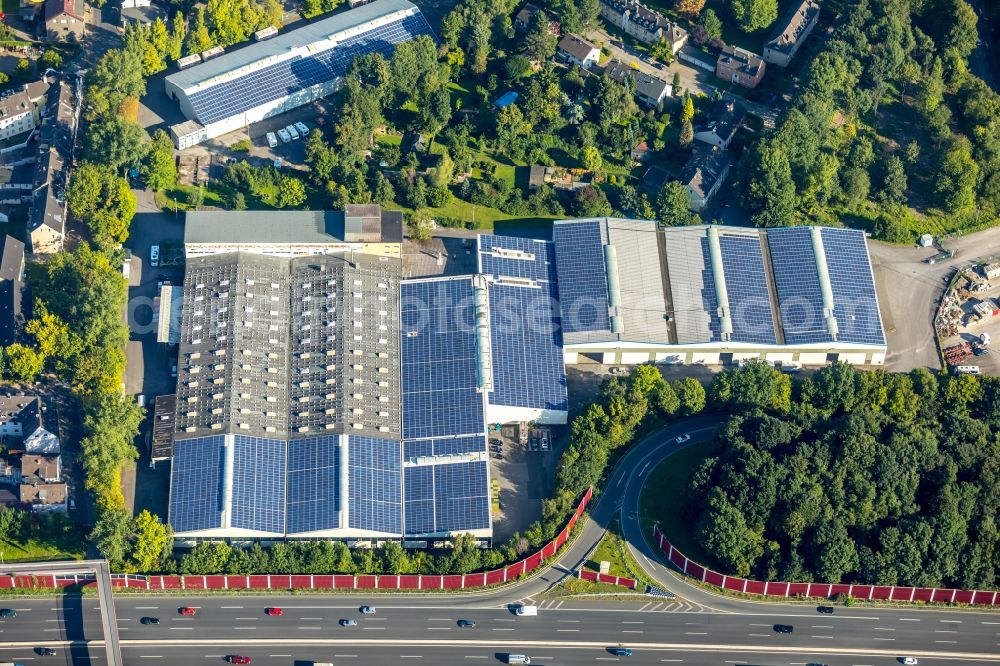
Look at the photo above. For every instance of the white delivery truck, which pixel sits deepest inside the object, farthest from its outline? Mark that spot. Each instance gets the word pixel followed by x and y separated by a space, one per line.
pixel 518 659
pixel 527 611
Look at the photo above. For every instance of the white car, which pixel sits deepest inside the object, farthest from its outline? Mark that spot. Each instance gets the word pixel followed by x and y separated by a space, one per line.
pixel 683 438
pixel 910 660
pixel 302 128
pixel 272 140
pixel 292 132
pixel 284 135
pixel 154 256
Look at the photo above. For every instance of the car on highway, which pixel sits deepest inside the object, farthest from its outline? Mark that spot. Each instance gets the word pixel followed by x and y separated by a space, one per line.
pixel 302 128
pixel 238 659
pixel 622 651
pixel 348 623
pixel 683 438
pixel 46 651
pixel 7 613
pixel 187 610
pixel 826 610
pixel 466 624
pixel 149 620
pixel 367 610
pixel 518 659
pixel 783 628
pixel 274 611
pixel 909 661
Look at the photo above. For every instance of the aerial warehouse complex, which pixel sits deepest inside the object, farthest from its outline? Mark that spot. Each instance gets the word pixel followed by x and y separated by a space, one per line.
pixel 229 92
pixel 321 396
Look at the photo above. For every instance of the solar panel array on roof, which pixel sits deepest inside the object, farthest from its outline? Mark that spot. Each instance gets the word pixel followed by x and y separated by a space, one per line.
pixel 267 84
pixel 258 500
pixel 447 498
pixel 196 484
pixel 516 257
pixel 583 287
pixel 314 484
pixel 855 301
pixel 439 359
pixel 746 286
pixel 444 446
pixel 796 279
pixel 526 340
pixel 374 484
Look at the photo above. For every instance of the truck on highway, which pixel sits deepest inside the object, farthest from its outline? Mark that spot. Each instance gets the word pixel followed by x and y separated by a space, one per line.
pixel 528 611
pixel 10 663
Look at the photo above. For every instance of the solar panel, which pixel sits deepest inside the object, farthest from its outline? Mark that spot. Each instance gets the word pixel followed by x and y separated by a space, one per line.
pixel 420 500
pixel 267 84
pixel 526 257
pixel 313 484
pixel 374 485
pixel 461 497
pixel 258 496
pixel 854 298
pixel 583 285
pixel 526 340
pixel 439 359
pixel 796 279
pixel 196 484
pixel 746 287
pixel 709 298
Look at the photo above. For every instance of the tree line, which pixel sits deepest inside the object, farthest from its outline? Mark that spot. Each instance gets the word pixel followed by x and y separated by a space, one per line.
pixel 855 477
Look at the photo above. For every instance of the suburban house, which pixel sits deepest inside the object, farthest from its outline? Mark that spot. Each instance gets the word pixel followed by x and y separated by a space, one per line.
pixel 649 90
pixel 704 174
pixel 782 46
pixel 739 66
pixel 578 51
pixel 43 497
pixel 26 418
pixel 32 465
pixel 64 20
pixel 522 20
pixel 11 286
pixel 47 216
pixel 17 114
pixel 641 154
pixel 637 20
pixel 724 120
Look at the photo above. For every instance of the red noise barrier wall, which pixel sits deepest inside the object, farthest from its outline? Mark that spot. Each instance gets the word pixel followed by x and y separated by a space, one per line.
pixel 317 582
pixel 587 574
pixel 821 590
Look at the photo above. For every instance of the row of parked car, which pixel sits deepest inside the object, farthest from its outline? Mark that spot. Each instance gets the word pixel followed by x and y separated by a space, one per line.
pixel 287 134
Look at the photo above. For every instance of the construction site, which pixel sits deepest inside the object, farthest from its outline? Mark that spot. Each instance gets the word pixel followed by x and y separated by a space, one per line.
pixel 969 318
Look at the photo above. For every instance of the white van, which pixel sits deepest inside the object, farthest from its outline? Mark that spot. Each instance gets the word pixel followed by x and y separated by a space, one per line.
pixel 967 370
pixel 528 611
pixel 272 140
pixel 140 400
pixel 518 659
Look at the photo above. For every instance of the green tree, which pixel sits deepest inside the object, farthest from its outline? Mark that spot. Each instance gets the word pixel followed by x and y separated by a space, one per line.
pixel 893 181
pixel 539 43
pixel 419 226
pixel 116 76
pixel 111 536
pixel 770 192
pixel 394 559
pixel 753 15
pixel 50 60
pixel 686 135
pixel 48 330
pixel 711 23
pixel 662 51
pixel 159 168
pixel 206 558
pixel 291 192
pixel 957 175
pixel 673 206
pixel 103 201
pixel 591 202
pixel 444 172
pixel 110 425
pixel 22 363
pixel 178 32
pixel 153 542
pixel 116 143
pixel 199 38
pixel 592 160
pixel 723 531
pixel 691 394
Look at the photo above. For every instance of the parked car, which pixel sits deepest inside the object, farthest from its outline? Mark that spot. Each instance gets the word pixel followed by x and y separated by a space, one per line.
pixel 274 611
pixel 238 659
pixel 7 613
pixel 367 610
pixel 292 132
pixel 187 610
pixel 272 140
pixel 302 128
pixel 348 623
pixel 154 256
pixel 683 438
pixel 173 369
pixel 284 135
pixel 466 624
pixel 783 628
pixel 149 620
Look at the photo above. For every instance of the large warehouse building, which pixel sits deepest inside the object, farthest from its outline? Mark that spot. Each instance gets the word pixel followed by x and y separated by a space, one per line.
pixel 321 396
pixel 631 292
pixel 267 78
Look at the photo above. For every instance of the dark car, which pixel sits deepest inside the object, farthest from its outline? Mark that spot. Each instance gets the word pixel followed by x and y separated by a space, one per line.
pixel 466 624
pixel 7 613
pixel 238 659
pixel 46 651
pixel 783 628
pixel 826 610
pixel 623 652
pixel 150 620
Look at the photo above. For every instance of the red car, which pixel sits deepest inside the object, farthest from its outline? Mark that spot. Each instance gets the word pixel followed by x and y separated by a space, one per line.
pixel 273 611
pixel 238 659
pixel 187 610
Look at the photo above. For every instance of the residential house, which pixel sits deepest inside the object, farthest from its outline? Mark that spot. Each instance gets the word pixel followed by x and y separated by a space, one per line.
pixel 26 419
pixel 132 4
pixel 704 174
pixel 17 114
pixel 7 498
pixel 782 46
pixel 64 20
pixel 40 468
pixel 578 51
pixel 724 120
pixel 44 497
pixel 11 286
pixel 522 20
pixel 536 178
pixel 639 21
pixel 641 154
pixel 47 217
pixel 739 66
pixel 649 90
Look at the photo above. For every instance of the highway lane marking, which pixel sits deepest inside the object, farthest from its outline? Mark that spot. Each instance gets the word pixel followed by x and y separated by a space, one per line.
pixel 380 629
pixel 606 658
pixel 346 656
pixel 439 619
pixel 215 656
pixel 181 628
pixel 945 631
pixel 576 621
pixel 279 655
pixel 151 656
pixel 645 607
pixel 312 618
pixel 908 619
pixel 631 631
pixel 958 621
pixel 496 629
pixel 411 656
pixel 246 628
pixel 821 626
pixel 504 619
pixel 760 635
pixel 632 622
pixel 309 628
pixel 475 656
pixel 755 625
pixel 566 630
pixel 438 628
pixel 883 639
pixel 821 637
pixel 52 630
pixel 884 629
pixel 989 623
pixel 146 607
pixel 247 618
pixel 59 620
pixel 696 633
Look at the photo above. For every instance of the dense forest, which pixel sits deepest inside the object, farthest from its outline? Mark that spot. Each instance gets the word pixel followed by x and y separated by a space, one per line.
pixel 849 476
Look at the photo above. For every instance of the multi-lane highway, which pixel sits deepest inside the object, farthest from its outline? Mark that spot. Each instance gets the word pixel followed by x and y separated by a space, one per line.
pixel 698 628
